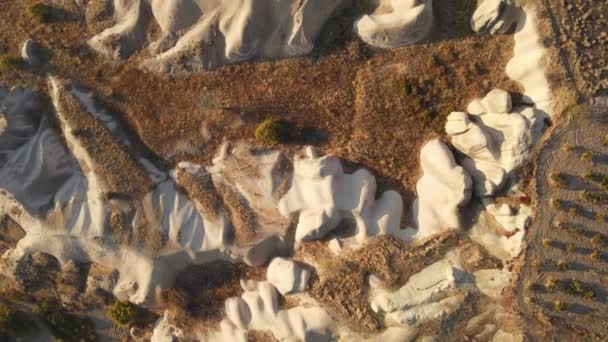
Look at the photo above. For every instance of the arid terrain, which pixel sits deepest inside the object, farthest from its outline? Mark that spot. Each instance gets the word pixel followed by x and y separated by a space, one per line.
pixel 190 170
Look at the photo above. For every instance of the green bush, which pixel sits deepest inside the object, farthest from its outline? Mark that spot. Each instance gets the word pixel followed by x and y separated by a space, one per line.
pixel 10 62
pixel 12 321
pixel 63 325
pixel 551 285
pixel 122 313
pixel 586 156
pixel 41 12
pixel 425 117
pixel 271 131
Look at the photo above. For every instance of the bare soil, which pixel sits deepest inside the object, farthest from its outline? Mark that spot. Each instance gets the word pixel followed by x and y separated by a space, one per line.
pixel 567 241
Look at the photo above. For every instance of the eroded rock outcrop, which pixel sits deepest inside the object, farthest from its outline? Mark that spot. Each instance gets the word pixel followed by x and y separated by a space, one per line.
pixel 495 140
pixel 442 189
pixel 324 194
pixel 202 35
pixel 494 16
pixel 396 23
pixel 287 276
pixel 258 309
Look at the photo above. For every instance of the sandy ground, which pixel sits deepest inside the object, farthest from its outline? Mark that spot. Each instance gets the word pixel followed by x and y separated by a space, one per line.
pixel 573 244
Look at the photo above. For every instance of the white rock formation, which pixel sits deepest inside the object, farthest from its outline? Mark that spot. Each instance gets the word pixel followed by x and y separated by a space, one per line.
pixel 429 285
pixel 494 140
pixel 53 192
pixel 501 229
pixel 497 101
pixel 492 282
pixel 164 331
pixel 494 16
pixel 287 276
pixel 396 23
pixel 258 309
pixel 202 35
pixel 443 188
pixel 424 313
pixel 527 64
pixel 324 195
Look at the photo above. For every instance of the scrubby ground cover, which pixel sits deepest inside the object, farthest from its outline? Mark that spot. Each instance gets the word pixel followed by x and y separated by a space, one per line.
pixel 563 282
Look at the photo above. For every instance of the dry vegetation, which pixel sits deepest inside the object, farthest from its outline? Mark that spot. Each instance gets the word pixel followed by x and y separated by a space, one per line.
pixel 566 278
pixel 583 36
pixel 341 282
pixel 200 292
pixel 332 97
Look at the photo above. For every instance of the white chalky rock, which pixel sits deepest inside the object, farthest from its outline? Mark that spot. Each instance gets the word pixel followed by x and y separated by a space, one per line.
pixel 494 17
pixel 497 101
pixel 492 282
pixel 258 309
pixel 476 107
pixel 426 286
pixel 201 35
pixel 323 195
pixel 457 123
pixel 164 331
pixel 443 188
pixel 396 23
pixel 509 218
pixel 421 314
pixel 495 143
pixel 527 66
pixel 287 276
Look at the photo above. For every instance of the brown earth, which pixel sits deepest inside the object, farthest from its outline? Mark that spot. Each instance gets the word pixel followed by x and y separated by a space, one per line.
pixel 332 97
pixel 576 252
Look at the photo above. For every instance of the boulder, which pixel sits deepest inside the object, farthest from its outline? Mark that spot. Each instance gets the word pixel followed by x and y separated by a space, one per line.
pixel 443 188
pixel 396 23
pixel 494 17
pixel 494 143
pixel 497 101
pixel 323 194
pixel 457 122
pixel 287 276
pixel 164 331
pixel 476 107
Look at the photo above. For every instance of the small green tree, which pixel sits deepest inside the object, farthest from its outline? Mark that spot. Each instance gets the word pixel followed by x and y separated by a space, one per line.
pixel 12 321
pixel 559 306
pixel 551 284
pixel 587 156
pixel 122 313
pixel 271 131
pixel 555 203
pixel 557 180
pixel 566 148
pixel 41 12
pixel 596 255
pixel 597 240
pixel 10 63
pixel 570 248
